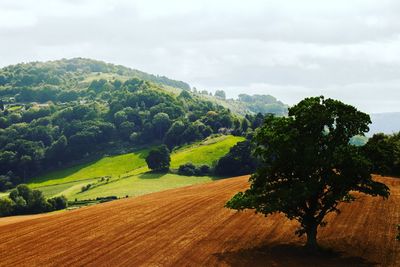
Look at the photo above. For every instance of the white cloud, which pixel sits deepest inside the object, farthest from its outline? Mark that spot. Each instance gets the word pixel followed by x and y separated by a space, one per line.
pixel 291 49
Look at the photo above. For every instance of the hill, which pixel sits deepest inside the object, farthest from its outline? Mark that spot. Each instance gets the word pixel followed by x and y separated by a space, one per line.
pixel 75 73
pixel 190 227
pixel 54 114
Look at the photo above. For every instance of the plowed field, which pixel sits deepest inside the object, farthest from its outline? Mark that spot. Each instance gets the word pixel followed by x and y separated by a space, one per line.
pixel 190 227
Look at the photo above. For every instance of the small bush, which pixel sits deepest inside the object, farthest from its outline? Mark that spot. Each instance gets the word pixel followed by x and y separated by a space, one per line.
pixel 86 187
pixel 189 169
pixel 204 170
pixel 58 203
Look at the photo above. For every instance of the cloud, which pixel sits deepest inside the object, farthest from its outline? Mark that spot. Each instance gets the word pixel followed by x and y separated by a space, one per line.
pixel 350 50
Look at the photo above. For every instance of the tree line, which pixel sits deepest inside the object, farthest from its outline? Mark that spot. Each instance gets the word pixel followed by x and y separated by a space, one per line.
pixel 23 200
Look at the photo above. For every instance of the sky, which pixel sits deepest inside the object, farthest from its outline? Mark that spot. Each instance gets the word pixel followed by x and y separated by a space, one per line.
pixel 349 50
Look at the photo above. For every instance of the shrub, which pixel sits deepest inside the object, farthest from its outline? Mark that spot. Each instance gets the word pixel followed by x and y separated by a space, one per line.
pixel 187 169
pixel 6 207
pixel 204 170
pixel 86 187
pixel 58 203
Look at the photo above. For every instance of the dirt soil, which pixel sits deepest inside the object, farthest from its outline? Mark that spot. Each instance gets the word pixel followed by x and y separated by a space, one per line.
pixel 190 227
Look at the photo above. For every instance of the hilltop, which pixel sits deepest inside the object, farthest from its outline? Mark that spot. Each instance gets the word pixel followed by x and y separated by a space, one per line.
pixel 75 73
pixel 68 79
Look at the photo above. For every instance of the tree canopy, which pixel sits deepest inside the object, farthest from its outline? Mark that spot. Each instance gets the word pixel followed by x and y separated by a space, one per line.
pixel 384 153
pixel 159 159
pixel 307 165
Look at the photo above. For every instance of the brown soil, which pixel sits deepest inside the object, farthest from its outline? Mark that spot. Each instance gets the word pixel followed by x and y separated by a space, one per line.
pixel 190 227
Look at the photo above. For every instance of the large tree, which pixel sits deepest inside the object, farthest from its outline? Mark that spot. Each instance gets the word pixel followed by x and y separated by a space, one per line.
pixel 159 159
pixel 308 166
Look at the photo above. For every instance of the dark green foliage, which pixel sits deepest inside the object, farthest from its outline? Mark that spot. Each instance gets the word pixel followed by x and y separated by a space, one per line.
pixel 159 159
pixel 5 183
pixel 6 207
pixel 23 200
pixel 255 121
pixel 239 161
pixel 189 169
pixel 161 123
pixel 218 120
pixel 174 135
pixel 384 153
pixel 308 166
pixel 58 203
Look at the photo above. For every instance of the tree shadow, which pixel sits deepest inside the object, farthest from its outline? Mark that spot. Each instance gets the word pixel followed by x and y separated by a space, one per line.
pixel 289 255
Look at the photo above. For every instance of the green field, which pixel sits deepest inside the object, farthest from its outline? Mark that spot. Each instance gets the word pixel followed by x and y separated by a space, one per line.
pixel 138 185
pixel 205 152
pixel 107 166
pixel 128 173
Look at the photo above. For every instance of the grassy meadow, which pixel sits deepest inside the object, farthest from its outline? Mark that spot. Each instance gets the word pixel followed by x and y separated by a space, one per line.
pixel 128 174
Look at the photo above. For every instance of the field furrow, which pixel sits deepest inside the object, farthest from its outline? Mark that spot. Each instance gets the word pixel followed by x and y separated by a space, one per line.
pixel 189 226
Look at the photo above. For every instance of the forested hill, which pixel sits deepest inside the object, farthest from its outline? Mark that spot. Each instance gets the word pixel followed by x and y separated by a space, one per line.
pixel 55 113
pixel 74 73
pixel 72 79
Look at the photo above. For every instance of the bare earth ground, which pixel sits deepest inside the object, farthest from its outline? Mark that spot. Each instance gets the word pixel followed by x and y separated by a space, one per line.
pixel 190 227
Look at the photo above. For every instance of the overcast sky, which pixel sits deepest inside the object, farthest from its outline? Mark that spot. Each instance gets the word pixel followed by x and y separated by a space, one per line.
pixel 348 50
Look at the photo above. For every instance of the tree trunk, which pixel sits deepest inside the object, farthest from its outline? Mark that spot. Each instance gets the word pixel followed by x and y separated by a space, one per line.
pixel 312 238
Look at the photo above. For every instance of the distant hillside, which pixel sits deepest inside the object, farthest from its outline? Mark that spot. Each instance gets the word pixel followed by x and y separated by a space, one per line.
pixel 72 73
pixel 250 104
pixel 387 123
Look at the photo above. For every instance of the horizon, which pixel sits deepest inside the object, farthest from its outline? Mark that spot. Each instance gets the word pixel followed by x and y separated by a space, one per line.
pixel 289 50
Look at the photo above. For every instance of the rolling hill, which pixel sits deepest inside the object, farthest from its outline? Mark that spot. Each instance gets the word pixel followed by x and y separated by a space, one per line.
pixel 190 227
pixel 57 113
pixel 125 174
pixel 76 73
